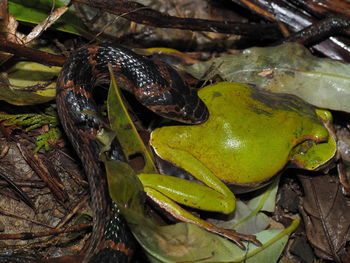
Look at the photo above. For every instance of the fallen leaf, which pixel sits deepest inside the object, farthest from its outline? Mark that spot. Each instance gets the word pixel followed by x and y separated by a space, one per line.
pixel 326 215
pixel 288 68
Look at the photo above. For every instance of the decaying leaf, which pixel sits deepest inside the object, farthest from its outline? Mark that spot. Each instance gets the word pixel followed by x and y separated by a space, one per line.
pixel 343 147
pixel 28 83
pixel 41 27
pixel 326 215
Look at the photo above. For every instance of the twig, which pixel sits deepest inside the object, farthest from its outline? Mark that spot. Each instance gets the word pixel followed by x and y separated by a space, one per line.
pixel 73 212
pixel 6 213
pixel 296 19
pixel 29 235
pixel 31 53
pixel 320 31
pixel 44 171
pixel 18 190
pixel 31 184
pixel 144 15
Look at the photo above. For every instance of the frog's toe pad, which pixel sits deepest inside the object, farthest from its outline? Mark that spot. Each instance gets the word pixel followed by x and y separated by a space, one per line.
pixel 237 238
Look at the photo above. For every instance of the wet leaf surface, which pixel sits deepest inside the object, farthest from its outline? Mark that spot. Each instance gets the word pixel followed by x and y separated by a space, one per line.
pixel 288 68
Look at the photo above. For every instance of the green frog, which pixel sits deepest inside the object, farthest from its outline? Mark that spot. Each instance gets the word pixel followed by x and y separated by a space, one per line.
pixel 250 137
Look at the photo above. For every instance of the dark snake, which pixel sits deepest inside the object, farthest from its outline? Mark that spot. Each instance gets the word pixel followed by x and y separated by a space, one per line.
pixel 157 86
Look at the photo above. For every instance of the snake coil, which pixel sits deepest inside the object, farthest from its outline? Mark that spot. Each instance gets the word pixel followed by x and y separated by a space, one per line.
pixel 156 85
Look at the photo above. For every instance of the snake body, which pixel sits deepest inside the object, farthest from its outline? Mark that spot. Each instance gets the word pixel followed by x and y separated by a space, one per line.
pixel 156 85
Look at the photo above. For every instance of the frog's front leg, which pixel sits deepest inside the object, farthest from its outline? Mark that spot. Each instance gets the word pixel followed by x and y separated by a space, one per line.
pixel 214 196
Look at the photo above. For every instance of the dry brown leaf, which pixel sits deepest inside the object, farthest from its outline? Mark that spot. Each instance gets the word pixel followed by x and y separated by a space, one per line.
pixel 326 215
pixel 40 28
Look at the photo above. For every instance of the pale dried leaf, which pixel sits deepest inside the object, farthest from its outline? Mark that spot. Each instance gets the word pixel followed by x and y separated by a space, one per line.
pixel 40 28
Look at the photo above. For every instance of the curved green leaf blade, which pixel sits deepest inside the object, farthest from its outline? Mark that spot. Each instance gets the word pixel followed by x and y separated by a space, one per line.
pixel 127 134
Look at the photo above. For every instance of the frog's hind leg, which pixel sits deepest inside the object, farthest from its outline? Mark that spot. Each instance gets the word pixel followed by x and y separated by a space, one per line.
pixel 160 194
pixel 178 212
pixel 189 193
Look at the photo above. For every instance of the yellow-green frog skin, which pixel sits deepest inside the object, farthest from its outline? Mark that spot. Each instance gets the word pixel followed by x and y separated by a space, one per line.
pixel 249 137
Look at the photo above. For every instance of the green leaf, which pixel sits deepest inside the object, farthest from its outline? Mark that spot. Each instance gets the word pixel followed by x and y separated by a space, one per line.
pixel 266 201
pixel 127 134
pixel 273 251
pixel 125 189
pixel 189 243
pixel 35 11
pixel 288 68
pixel 248 218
